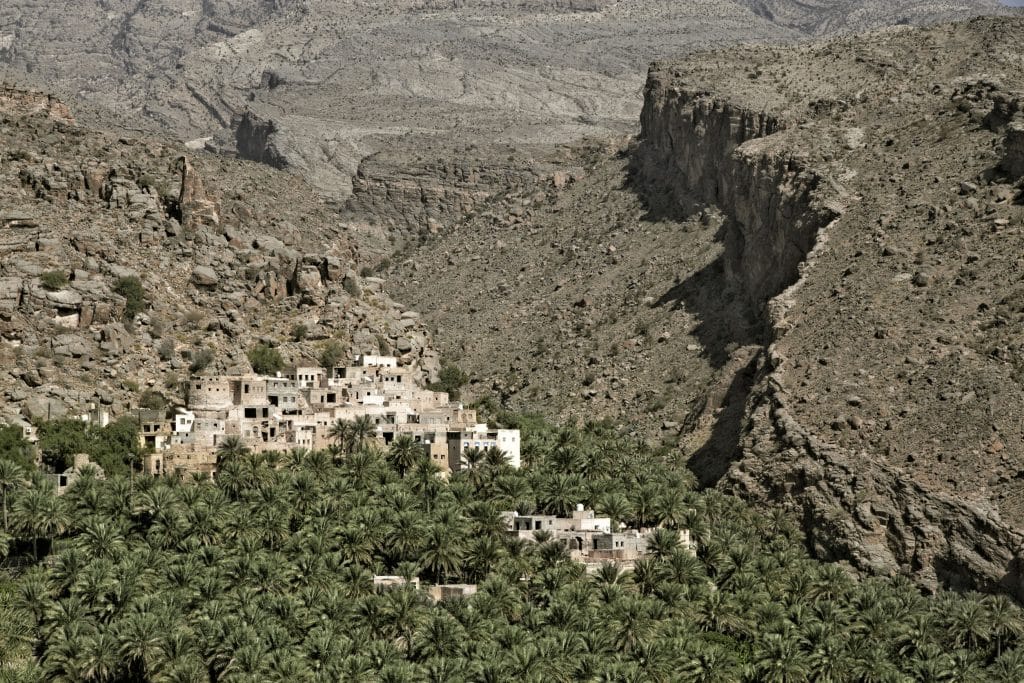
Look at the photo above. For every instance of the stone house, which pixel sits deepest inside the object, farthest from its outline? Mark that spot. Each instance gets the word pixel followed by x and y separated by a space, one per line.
pixel 588 538
pixel 68 477
pixel 297 409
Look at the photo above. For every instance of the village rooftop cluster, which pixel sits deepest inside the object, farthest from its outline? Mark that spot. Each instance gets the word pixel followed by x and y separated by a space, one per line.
pixel 297 408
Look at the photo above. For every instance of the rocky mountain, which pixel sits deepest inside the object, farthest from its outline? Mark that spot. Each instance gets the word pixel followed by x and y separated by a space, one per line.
pixel 224 254
pixel 318 85
pixel 803 273
pixel 808 267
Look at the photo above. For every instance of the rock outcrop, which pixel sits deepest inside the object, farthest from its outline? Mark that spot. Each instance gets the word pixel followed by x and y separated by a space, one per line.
pixel 1013 149
pixel 254 140
pixel 695 146
pixel 409 196
pixel 120 259
pixel 854 420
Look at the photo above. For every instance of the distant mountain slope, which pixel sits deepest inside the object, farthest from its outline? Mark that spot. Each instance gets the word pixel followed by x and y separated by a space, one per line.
pixel 339 80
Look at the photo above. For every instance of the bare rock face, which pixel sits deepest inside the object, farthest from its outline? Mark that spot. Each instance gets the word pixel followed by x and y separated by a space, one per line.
pixel 197 208
pixel 408 196
pixel 318 85
pixel 204 276
pixel 1013 149
pixel 694 146
pixel 254 140
pixel 26 103
pixel 886 427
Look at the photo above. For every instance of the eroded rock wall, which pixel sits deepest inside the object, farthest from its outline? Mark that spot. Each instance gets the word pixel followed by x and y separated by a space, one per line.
pixel 254 139
pixel 408 197
pixel 855 504
pixel 697 147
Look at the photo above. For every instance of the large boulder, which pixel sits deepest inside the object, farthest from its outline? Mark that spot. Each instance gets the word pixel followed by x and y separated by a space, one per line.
pixel 10 294
pixel 204 276
pixel 71 345
pixel 307 279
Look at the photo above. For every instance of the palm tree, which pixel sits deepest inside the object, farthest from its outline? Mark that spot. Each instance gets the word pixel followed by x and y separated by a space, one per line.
pixel 442 552
pixel 473 457
pixel 971 623
pixel 11 478
pixel 484 553
pixel 100 659
pixel 363 430
pixel 616 505
pixel 495 457
pixel 230 448
pixel 1006 620
pixel 663 542
pixel 1009 666
pixel 405 536
pixel 778 659
pixel 341 433
pixel 141 636
pixel 711 664
pixel 631 623
pixel 39 514
pixel 404 453
pixel 718 612
pixel 559 493
pixel 400 611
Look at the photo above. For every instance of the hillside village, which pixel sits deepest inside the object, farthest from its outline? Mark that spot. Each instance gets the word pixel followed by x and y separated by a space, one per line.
pixel 298 408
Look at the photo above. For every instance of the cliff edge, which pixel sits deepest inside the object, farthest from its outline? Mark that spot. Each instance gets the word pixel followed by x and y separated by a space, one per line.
pixel 873 219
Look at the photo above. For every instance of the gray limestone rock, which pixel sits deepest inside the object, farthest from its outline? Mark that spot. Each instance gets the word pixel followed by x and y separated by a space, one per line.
pixel 204 276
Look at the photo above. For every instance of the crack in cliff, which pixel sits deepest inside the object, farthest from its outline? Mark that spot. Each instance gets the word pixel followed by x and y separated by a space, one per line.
pixel 693 153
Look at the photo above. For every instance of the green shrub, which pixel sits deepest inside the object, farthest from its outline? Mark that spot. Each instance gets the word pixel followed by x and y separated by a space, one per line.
pixel 112 447
pixel 60 440
pixel 451 379
pixel 14 447
pixel 53 280
pixel 193 318
pixel 265 360
pixel 299 332
pixel 152 400
pixel 166 349
pixel 352 287
pixel 331 354
pixel 134 295
pixel 201 358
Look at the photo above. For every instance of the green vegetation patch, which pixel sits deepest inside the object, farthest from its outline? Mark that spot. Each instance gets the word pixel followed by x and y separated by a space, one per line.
pixel 265 574
pixel 134 295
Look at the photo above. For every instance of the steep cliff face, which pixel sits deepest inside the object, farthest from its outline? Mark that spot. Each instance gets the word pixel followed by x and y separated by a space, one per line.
pixel 407 195
pixel 872 416
pixel 254 139
pixel 699 147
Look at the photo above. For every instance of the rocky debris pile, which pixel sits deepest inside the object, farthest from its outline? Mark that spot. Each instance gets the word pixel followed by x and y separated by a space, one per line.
pixel 1013 149
pixel 122 262
pixel 990 104
pixel 570 299
pixel 26 102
